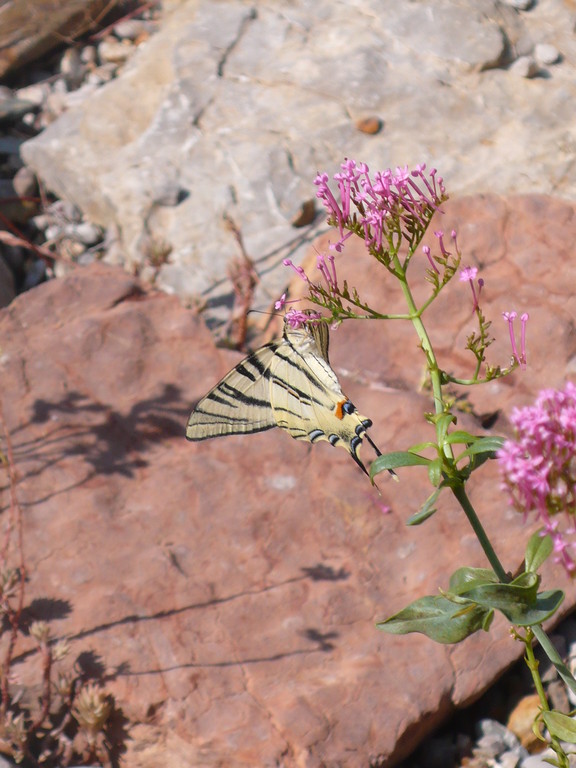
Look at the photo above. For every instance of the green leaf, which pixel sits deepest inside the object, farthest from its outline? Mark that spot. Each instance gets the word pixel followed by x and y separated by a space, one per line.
pixel 538 549
pixel 435 472
pixel 465 579
pixel 519 601
pixel 396 459
pixel 443 422
pixel 460 436
pixel 426 510
pixel 561 726
pixel 419 447
pixel 440 619
pixel 487 445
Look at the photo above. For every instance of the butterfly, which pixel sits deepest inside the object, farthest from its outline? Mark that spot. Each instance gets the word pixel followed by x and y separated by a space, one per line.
pixel 287 383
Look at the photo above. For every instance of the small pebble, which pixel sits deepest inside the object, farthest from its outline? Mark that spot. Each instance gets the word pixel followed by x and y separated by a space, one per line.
pixel 525 66
pixel 521 721
pixel 132 29
pixel 24 182
pixel 36 94
pixel 102 74
pixel 520 5
pixel 369 125
pixel 85 232
pixel 53 232
pixel 305 214
pixel 114 51
pixel 72 67
pixel 89 55
pixel 546 54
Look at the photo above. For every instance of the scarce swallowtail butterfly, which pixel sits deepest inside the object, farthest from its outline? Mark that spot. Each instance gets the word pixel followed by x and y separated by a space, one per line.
pixel 287 383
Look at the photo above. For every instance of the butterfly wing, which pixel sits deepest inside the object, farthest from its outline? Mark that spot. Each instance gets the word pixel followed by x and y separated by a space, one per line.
pixel 305 394
pixel 239 403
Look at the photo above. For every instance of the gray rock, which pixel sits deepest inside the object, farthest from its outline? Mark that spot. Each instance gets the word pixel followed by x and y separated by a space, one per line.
pixel 114 51
pixel 524 66
pixel 520 5
pixel 546 54
pixel 133 28
pixel 238 111
pixel 84 232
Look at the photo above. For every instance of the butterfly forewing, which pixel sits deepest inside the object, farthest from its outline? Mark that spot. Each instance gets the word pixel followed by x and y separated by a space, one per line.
pixel 239 403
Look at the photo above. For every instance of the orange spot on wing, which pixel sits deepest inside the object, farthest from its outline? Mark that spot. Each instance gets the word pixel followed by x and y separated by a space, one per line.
pixel 339 412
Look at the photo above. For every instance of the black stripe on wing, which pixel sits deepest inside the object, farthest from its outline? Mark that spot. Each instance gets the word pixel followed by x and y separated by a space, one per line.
pixel 239 403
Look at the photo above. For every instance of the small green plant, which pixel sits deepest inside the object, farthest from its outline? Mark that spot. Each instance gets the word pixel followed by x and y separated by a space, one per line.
pixel 391 212
pixel 63 719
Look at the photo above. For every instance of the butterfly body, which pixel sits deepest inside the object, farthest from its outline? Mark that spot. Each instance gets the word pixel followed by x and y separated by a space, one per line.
pixel 289 384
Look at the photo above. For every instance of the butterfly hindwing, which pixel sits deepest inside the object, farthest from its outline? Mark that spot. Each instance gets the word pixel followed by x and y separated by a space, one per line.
pixel 311 405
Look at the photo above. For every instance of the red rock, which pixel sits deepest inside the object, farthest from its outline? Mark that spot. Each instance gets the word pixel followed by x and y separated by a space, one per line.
pixel 230 588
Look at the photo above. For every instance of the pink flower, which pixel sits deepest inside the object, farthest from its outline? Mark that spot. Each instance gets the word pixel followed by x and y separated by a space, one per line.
pixel 428 254
pixel 296 318
pixel 520 357
pixel 538 468
pixel 468 274
pixel 280 304
pixel 372 204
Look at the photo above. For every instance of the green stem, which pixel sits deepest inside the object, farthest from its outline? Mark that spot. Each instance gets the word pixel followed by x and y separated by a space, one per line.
pixel 554 656
pixel 459 491
pixel 426 344
pixel 533 665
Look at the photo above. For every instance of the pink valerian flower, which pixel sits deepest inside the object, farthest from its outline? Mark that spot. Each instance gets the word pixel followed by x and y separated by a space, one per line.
pixel 440 235
pixel 283 301
pixel 468 274
pixel 296 318
pixel 327 269
pixel 391 195
pixel 299 270
pixel 428 254
pixel 519 357
pixel 538 468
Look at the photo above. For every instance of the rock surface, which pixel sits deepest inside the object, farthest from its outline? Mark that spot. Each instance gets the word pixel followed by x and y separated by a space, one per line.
pixel 29 28
pixel 233 107
pixel 230 588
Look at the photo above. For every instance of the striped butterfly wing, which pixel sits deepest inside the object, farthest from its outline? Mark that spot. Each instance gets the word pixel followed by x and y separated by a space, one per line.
pixel 288 384
pixel 306 397
pixel 240 403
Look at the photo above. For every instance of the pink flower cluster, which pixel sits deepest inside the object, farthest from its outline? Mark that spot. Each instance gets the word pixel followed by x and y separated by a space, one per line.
pixel 538 468
pixel 410 196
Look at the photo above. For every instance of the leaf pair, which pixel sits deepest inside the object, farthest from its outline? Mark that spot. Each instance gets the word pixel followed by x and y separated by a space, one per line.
pixel 472 597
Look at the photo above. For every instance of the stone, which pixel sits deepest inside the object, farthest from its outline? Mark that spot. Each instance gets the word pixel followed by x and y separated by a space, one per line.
pixel 230 588
pixel 520 5
pixel 133 29
pixel 525 66
pixel 30 28
pixel 240 110
pixel 521 722
pixel 114 51
pixel 546 54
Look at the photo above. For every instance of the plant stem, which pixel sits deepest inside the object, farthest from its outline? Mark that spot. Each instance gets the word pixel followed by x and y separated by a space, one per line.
pixel 425 343
pixel 460 492
pixel 554 656
pixel 533 665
